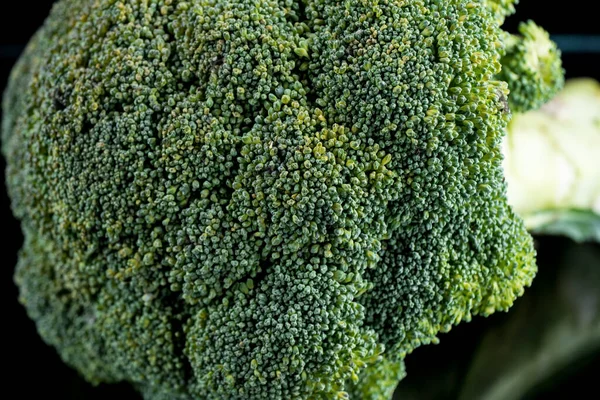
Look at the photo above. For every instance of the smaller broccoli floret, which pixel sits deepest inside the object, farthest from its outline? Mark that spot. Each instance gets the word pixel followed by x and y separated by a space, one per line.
pixel 501 8
pixel 532 68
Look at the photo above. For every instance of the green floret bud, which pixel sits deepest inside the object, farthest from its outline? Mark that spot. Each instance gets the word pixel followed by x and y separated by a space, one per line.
pixel 501 8
pixel 532 67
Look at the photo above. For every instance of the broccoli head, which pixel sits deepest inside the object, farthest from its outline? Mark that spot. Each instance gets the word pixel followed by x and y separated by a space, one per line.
pixel 232 199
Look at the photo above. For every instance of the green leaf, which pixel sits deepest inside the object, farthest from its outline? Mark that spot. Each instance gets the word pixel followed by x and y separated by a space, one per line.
pixel 579 225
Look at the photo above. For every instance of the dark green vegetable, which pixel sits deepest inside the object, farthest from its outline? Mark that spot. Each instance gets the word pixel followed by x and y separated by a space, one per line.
pixel 261 200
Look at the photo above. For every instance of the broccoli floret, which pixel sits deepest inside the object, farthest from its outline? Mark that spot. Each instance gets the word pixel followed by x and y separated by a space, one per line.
pixel 229 199
pixel 501 8
pixel 532 67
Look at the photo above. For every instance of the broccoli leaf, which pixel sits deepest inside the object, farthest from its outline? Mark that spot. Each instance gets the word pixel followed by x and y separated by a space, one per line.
pixel 579 225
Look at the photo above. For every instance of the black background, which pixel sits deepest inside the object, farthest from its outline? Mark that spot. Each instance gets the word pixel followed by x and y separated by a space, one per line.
pixel 34 368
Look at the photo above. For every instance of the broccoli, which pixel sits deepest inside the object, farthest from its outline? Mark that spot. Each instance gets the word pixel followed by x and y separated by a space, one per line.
pixel 532 68
pixel 232 199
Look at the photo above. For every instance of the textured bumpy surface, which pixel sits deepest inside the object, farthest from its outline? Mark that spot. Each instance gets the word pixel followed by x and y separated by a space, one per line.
pixel 532 68
pixel 235 199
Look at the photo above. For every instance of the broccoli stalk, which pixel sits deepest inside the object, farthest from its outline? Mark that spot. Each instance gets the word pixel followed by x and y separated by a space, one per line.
pixel 550 163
